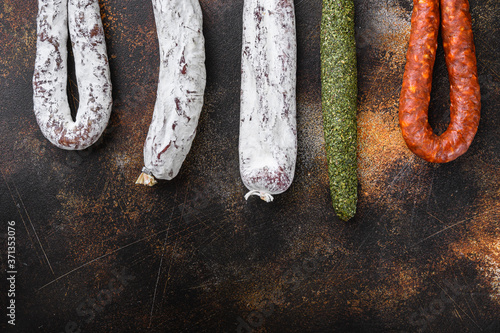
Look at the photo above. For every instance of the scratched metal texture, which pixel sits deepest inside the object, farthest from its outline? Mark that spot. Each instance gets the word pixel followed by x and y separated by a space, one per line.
pixel 421 255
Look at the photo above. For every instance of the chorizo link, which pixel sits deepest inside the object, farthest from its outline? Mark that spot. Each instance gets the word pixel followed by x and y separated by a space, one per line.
pixel 50 77
pixel 268 134
pixel 462 70
pixel 181 87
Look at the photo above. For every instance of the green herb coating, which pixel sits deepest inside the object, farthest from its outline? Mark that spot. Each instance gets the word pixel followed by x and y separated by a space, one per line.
pixel 339 91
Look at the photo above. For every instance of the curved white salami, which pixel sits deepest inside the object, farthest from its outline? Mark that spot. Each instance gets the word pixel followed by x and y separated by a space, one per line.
pixel 181 86
pixel 50 77
pixel 268 134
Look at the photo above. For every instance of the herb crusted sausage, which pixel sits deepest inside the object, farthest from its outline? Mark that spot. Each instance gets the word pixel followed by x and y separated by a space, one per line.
pixel 339 92
pixel 462 70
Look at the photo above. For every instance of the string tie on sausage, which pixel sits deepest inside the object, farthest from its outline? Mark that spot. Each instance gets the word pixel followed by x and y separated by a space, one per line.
pixel 263 195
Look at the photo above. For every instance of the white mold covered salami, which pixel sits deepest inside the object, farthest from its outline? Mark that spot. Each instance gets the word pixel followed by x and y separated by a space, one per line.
pixel 83 20
pixel 268 134
pixel 181 87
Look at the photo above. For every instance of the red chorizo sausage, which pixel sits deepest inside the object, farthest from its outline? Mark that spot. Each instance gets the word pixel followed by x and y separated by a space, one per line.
pixel 456 29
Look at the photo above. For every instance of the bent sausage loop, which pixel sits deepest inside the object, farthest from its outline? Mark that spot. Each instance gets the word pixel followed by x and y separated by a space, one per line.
pixel 50 101
pixel 462 70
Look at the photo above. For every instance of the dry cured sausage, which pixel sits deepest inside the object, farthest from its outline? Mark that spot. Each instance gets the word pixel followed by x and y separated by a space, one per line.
pixel 268 133
pixel 83 20
pixel 464 87
pixel 465 103
pixel 181 87
pixel 339 93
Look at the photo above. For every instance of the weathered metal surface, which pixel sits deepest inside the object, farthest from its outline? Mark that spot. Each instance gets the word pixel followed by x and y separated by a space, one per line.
pixel 422 253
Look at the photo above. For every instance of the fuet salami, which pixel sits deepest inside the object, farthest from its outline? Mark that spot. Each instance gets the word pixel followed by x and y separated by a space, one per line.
pixel 181 86
pixel 83 20
pixel 268 134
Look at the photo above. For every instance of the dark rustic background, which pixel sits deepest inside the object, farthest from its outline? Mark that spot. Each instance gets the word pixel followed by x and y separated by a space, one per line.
pixel 97 253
